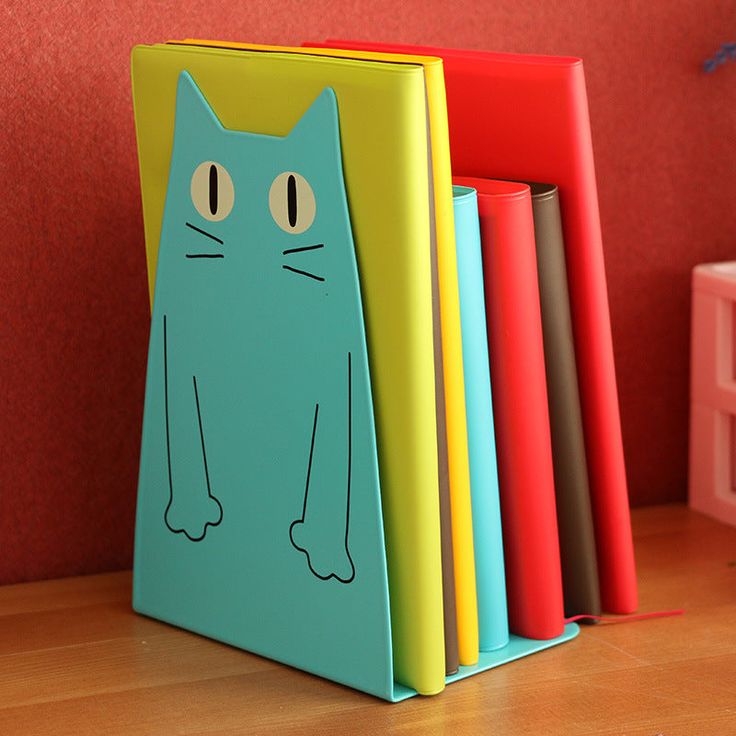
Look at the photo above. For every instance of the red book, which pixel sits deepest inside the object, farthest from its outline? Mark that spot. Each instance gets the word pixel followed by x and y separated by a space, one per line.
pixel 524 117
pixel 520 408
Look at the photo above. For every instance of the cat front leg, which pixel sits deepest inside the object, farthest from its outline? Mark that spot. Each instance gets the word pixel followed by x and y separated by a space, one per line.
pixel 192 506
pixel 322 532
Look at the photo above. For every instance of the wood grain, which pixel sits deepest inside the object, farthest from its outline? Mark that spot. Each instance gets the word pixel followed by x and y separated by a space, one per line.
pixel 74 659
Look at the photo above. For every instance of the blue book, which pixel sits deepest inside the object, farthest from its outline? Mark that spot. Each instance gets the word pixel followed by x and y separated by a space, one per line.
pixel 487 536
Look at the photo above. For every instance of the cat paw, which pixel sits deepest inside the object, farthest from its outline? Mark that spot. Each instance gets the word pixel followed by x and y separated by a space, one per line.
pixel 325 560
pixel 193 518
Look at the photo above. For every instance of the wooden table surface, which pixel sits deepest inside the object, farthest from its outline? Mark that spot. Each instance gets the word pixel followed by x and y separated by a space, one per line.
pixel 74 659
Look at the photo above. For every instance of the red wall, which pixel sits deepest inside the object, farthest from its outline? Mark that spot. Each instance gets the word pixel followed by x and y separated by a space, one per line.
pixel 73 302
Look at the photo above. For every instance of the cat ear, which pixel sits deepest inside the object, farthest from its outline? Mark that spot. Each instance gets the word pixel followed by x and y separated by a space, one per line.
pixel 192 106
pixel 320 122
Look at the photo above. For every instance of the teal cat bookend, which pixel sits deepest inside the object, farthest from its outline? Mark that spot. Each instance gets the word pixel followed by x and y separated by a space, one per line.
pixel 259 514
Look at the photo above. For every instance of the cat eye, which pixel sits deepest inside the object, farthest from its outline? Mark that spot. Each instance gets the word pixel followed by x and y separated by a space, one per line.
pixel 292 203
pixel 212 191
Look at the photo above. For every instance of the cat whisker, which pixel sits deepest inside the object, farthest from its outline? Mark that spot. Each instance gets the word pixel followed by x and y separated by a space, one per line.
pixel 303 273
pixel 301 250
pixel 204 255
pixel 205 233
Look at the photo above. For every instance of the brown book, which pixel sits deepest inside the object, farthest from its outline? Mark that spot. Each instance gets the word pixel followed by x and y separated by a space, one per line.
pixel 574 516
pixel 452 655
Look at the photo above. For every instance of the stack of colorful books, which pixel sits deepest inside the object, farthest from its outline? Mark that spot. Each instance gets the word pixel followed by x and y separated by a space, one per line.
pixel 381 439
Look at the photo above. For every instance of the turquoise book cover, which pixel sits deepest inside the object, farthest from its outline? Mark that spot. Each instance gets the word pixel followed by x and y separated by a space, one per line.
pixel 487 534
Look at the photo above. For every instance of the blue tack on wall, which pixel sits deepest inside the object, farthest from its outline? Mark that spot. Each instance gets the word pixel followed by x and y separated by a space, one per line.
pixel 725 53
